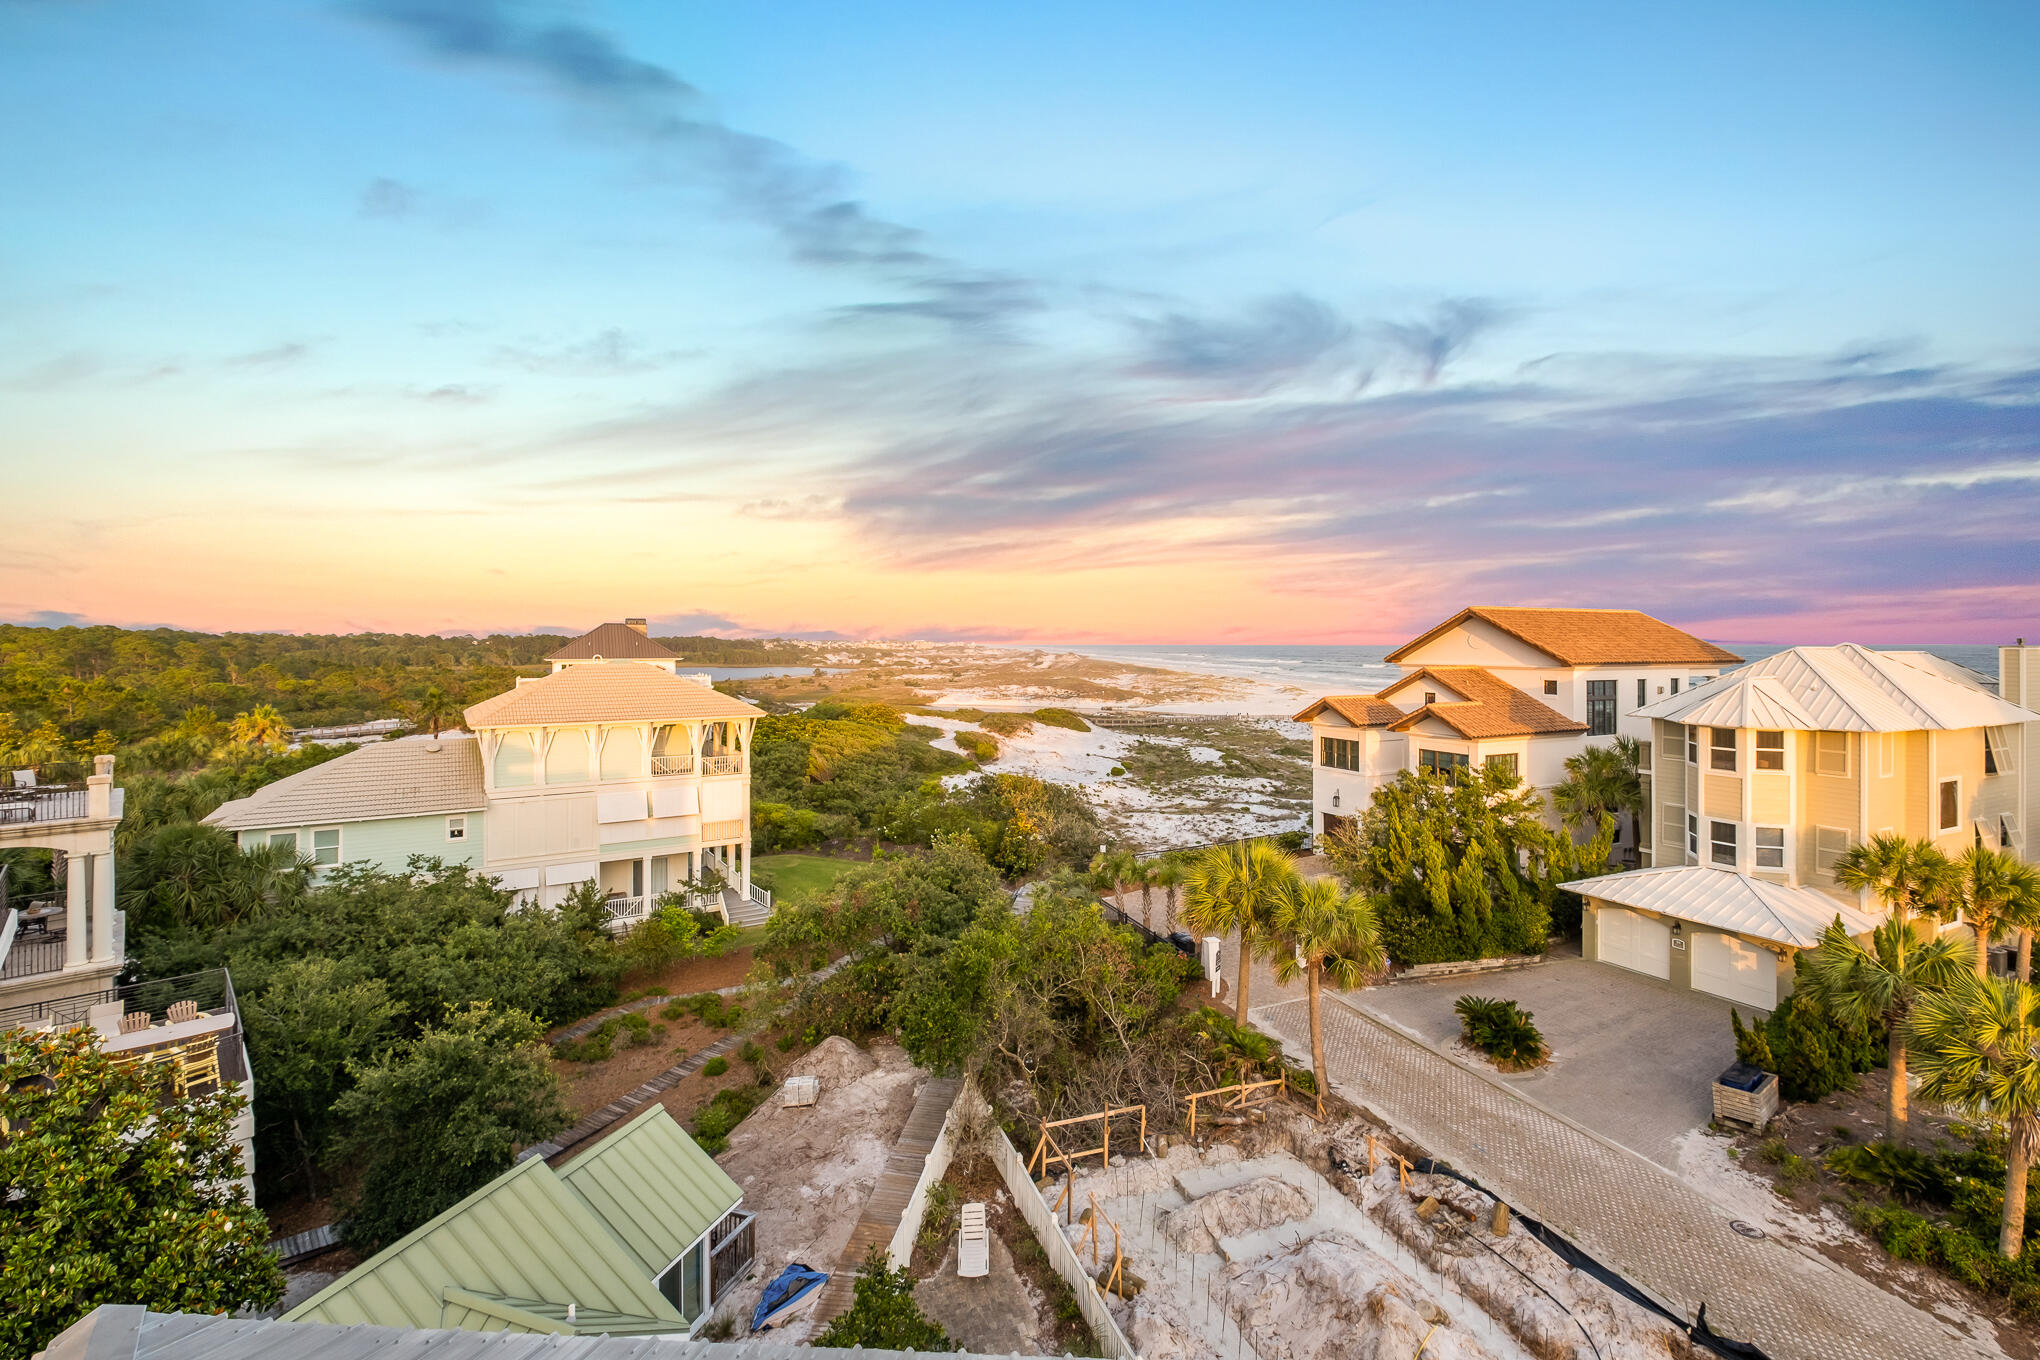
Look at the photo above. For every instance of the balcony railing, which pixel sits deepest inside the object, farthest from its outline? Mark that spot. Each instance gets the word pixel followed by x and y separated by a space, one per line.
pixel 732 1244
pixel 625 910
pixel 677 764
pixel 158 1005
pixel 33 953
pixel 61 803
pixel 727 764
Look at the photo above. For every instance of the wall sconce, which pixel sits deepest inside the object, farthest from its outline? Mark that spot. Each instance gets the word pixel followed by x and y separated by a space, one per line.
pixel 1335 797
pixel 1678 927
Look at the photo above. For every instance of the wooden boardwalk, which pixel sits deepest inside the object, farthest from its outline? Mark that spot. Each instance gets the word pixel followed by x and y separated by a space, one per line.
pixel 889 1198
pixel 629 1103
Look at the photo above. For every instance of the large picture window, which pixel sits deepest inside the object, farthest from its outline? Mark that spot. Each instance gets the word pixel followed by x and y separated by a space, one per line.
pixel 1442 762
pixel 1338 753
pixel 1600 708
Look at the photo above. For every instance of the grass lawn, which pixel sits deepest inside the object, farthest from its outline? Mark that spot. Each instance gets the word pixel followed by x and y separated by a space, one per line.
pixel 786 874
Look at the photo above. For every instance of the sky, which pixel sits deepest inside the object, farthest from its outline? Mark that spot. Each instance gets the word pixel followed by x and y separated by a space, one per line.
pixel 1077 322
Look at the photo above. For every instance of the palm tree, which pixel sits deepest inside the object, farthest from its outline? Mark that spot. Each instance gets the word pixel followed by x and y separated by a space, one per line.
pixel 1996 888
pixel 1909 876
pixel 1143 877
pixel 1112 871
pixel 1601 781
pixel 262 727
pixel 1235 889
pixel 1322 932
pixel 436 709
pixel 1883 983
pixel 1169 878
pixel 1979 1050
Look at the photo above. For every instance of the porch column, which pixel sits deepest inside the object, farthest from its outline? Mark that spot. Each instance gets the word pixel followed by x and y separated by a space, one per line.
pixel 645 871
pixel 102 907
pixel 76 879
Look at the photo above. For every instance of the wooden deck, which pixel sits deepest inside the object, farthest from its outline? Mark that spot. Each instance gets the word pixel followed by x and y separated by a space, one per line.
pixel 889 1198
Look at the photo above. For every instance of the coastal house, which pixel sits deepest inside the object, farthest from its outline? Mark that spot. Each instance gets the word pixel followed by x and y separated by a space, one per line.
pixel 1519 688
pixel 612 769
pixel 643 1234
pixel 1766 777
pixel 62 952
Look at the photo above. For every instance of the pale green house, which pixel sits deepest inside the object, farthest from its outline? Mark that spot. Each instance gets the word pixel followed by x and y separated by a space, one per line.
pixel 642 1234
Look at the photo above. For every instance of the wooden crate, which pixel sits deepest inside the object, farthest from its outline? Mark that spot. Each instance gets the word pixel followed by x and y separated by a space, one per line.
pixel 1754 1108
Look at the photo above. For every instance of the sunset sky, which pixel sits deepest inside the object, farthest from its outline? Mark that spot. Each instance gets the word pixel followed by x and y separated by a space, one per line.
pixel 1074 322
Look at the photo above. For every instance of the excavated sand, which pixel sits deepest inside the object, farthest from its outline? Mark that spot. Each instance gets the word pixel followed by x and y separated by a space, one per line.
pixel 807 1172
pixel 1333 1299
pixel 1234 1212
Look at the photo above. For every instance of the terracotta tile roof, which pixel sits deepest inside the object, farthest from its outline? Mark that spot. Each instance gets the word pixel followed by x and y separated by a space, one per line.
pixel 616 691
pixel 1589 637
pixel 374 781
pixel 1361 710
pixel 613 642
pixel 1492 707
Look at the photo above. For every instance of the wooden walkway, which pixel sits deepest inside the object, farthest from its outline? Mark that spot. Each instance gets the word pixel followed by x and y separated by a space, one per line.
pixel 629 1103
pixel 889 1198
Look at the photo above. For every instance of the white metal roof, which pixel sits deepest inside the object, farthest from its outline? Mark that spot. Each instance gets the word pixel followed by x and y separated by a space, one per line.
pixel 1844 688
pixel 1726 900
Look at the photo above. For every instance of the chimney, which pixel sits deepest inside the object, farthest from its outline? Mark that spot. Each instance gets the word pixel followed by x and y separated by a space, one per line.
pixel 635 625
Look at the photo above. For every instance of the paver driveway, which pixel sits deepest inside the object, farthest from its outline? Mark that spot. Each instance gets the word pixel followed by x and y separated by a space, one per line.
pixel 1634 1058
pixel 1635 1216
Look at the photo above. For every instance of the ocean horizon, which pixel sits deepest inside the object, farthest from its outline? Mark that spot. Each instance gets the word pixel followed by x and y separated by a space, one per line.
pixel 1364 669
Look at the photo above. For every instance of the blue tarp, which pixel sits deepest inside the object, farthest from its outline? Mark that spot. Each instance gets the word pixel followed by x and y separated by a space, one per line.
pixel 795 1282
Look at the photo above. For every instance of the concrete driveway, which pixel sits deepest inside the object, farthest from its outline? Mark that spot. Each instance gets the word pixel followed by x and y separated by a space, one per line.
pixel 1633 1058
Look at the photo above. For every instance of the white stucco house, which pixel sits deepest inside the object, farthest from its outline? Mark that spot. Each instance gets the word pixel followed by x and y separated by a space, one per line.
pixel 615 769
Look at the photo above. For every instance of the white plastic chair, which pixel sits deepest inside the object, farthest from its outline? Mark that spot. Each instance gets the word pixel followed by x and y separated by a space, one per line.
pixel 973 1244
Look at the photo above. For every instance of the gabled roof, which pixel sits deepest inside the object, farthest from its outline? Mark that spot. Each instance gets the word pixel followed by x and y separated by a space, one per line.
pixel 520 1249
pixel 1492 707
pixel 619 691
pixel 1361 710
pixel 1844 688
pixel 1726 900
pixel 654 1187
pixel 1588 637
pixel 373 782
pixel 614 642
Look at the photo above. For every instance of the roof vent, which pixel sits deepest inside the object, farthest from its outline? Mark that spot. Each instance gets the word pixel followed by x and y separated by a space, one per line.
pixel 635 625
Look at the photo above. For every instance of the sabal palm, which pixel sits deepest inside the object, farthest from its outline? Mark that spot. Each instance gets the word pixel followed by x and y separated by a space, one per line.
pixel 263 726
pixel 1236 889
pixel 1883 983
pixel 1978 1046
pixel 1324 932
pixel 436 709
pixel 1996 889
pixel 1600 781
pixel 1169 878
pixel 1906 874
pixel 1112 871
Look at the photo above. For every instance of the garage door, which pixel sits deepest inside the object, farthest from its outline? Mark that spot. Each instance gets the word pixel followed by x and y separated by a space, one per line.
pixel 1735 969
pixel 1643 943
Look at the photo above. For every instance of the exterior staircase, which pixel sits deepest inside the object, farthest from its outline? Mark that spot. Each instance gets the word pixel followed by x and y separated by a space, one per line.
pixel 747 911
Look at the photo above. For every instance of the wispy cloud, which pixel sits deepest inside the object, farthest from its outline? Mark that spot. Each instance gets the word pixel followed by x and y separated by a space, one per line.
pixel 388 198
pixel 606 353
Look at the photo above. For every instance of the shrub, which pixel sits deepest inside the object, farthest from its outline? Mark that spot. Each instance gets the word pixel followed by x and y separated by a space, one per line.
pixel 977 746
pixel 1813 1051
pixel 884 1315
pixel 1295 842
pixel 787 1042
pixel 1118 770
pixel 1061 717
pixel 939 1217
pixel 713 1121
pixel 711 1009
pixel 631 1030
pixel 1910 1237
pixel 715 1066
pixel 750 1053
pixel 1007 724
pixel 1502 1030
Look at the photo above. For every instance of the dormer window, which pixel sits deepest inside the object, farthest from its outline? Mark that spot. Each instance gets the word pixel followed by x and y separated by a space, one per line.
pixel 1430 696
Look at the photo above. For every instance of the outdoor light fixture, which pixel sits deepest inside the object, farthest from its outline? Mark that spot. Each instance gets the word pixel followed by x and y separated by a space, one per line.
pixel 1335 797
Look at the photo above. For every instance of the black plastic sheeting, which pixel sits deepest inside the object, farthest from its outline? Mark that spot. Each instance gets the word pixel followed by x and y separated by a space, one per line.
pixel 1699 1332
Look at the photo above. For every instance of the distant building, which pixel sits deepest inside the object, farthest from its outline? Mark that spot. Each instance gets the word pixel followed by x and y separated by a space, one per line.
pixel 640 1235
pixel 1520 688
pixel 613 769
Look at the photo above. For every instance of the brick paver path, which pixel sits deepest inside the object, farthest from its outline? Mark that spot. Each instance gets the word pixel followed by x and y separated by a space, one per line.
pixel 1665 1237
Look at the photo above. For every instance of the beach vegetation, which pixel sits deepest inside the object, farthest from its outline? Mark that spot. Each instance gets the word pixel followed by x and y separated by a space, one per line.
pixel 1061 717
pixel 1238 890
pixel 1978 1043
pixel 978 747
pixel 1501 1029
pixel 1813 1050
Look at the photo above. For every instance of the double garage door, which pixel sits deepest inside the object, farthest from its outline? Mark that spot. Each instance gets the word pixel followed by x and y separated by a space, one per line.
pixel 1723 965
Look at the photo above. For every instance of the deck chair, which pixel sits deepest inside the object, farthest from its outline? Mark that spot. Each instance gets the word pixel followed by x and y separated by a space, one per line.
pixel 973 1243
pixel 134 1022
pixel 181 1011
pixel 198 1064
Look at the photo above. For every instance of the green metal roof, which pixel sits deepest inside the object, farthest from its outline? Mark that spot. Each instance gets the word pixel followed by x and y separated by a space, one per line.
pixel 653 1186
pixel 515 1253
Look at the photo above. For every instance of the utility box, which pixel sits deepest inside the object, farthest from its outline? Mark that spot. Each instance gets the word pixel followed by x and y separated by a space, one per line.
pixel 1746 1094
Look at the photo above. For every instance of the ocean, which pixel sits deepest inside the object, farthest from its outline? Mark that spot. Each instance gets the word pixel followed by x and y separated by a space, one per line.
pixel 1363 670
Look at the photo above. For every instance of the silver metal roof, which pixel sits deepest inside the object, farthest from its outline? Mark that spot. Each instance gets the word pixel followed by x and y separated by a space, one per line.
pixel 1844 688
pixel 1726 900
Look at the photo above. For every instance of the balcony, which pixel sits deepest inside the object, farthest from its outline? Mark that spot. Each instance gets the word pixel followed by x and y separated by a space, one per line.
pixel 732 1243
pixel 35 806
pixel 624 911
pixel 723 764
pixel 187 1028
pixel 674 764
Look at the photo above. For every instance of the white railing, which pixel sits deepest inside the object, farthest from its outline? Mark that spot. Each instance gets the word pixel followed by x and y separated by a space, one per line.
pixel 7 929
pixel 729 764
pixel 681 764
pixel 760 897
pixel 624 910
